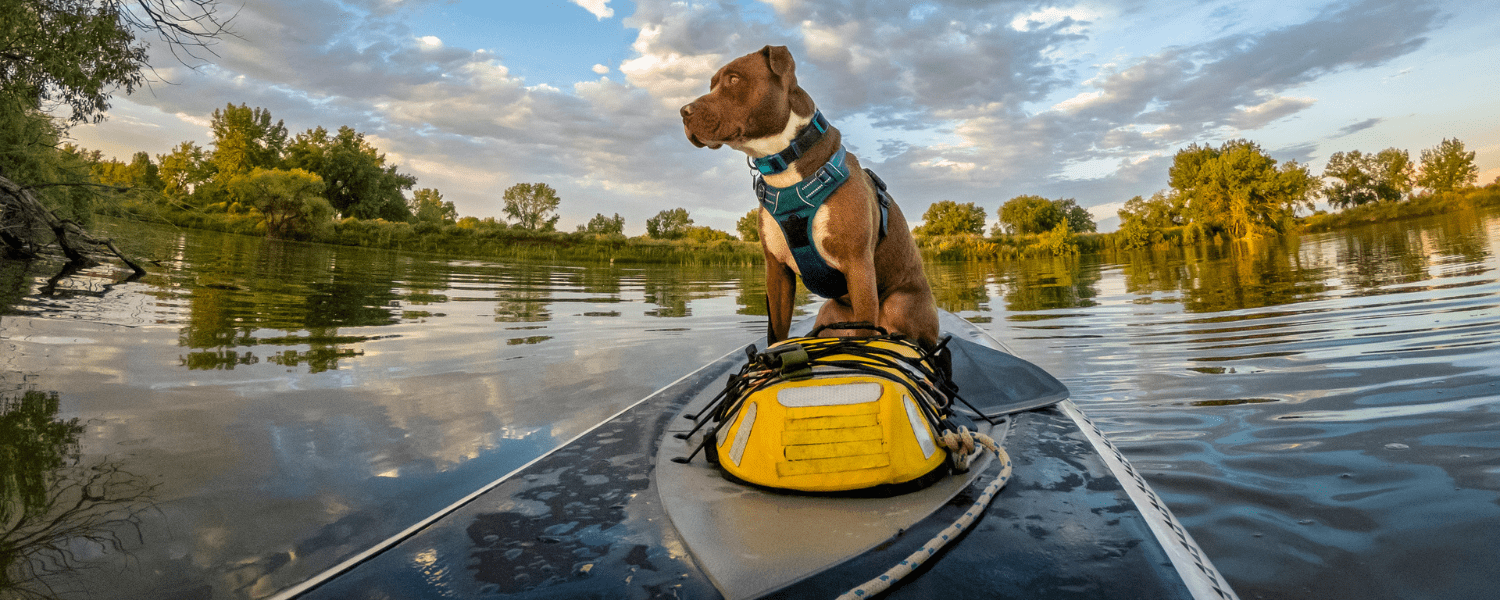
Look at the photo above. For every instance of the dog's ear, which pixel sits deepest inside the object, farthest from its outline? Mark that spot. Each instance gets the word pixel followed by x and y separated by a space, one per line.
pixel 780 61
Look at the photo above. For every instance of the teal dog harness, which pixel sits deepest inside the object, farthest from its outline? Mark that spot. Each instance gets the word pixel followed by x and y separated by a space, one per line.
pixel 794 208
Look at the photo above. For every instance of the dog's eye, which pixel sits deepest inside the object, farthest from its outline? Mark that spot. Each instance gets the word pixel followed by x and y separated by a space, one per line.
pixel 733 79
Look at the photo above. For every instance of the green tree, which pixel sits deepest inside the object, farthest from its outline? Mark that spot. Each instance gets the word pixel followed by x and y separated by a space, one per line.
pixel 427 206
pixel 1142 220
pixel 603 225
pixel 946 217
pixel 1162 211
pixel 289 200
pixel 139 173
pixel 1078 217
pixel 1029 214
pixel 669 224
pixel 74 53
pixel 530 204
pixel 1386 176
pixel 1059 241
pixel 359 182
pixel 1239 189
pixel 1446 167
pixel 245 139
pixel 183 169
pixel 32 153
pixel 1396 173
pixel 704 233
pixel 749 225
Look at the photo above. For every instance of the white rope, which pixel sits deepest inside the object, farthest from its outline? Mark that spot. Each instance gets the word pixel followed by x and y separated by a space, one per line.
pixel 953 441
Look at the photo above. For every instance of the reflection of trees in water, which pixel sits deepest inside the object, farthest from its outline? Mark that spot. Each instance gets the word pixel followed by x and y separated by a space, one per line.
pixel 1396 253
pixel 1230 276
pixel 670 295
pixel 750 294
pixel 960 287
pixel 1465 235
pixel 70 281
pixel 1050 283
pixel 1374 257
pixel 524 296
pixel 251 289
pixel 599 280
pixel 53 505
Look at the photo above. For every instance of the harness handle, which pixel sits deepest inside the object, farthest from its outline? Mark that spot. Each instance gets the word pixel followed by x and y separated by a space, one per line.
pixel 848 325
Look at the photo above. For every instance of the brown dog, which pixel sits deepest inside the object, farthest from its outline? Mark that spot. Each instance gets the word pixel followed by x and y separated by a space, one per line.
pixel 870 269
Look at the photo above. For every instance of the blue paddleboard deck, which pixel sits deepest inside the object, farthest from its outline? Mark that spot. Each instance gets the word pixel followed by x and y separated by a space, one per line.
pixel 587 520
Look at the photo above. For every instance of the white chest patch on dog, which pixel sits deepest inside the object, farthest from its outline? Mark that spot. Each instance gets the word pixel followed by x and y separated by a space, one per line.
pixel 767 146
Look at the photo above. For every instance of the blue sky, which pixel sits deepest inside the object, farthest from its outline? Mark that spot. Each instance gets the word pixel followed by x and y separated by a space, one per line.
pixel 948 100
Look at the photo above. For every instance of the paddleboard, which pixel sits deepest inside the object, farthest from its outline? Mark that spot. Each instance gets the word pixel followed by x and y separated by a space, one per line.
pixel 610 515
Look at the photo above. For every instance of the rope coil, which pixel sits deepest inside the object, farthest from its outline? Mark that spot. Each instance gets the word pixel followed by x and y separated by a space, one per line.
pixel 931 548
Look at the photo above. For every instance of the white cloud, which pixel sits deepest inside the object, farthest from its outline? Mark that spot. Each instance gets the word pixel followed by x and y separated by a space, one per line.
pixel 1052 16
pixel 599 8
pixel 1079 102
pixel 1260 115
pixel 934 95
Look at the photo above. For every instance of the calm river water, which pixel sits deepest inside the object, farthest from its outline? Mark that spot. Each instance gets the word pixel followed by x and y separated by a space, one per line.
pixel 1322 413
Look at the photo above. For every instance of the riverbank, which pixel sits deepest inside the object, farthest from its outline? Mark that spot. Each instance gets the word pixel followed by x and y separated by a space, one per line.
pixel 1419 206
pixel 473 238
pixel 469 238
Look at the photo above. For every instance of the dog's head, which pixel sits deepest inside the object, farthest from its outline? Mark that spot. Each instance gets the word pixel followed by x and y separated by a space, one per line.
pixel 750 98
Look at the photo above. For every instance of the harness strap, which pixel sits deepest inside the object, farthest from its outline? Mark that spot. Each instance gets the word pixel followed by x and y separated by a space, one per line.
pixel 781 161
pixel 885 201
pixel 795 206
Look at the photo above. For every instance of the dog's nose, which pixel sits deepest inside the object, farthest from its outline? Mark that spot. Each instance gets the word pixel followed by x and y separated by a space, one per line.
pixel 687 109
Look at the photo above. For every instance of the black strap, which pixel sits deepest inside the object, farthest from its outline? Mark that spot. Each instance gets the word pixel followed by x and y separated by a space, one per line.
pixel 781 161
pixel 885 202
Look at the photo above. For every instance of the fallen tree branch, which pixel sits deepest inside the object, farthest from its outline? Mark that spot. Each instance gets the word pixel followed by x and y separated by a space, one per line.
pixel 26 225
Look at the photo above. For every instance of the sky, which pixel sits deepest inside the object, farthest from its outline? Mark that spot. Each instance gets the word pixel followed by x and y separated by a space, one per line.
pixel 962 100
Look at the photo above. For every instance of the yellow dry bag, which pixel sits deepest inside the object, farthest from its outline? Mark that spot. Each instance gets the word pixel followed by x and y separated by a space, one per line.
pixel 833 415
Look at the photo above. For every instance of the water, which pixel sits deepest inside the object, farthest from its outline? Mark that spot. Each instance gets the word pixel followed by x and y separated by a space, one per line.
pixel 1320 412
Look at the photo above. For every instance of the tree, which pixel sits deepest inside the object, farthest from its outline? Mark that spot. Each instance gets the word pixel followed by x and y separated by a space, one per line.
pixel 1446 167
pixel 749 225
pixel 183 169
pixel 529 205
pixel 1078 217
pixel 1029 214
pixel 1163 210
pixel 245 139
pixel 1239 189
pixel 74 53
pixel 359 182
pixel 427 206
pixel 704 233
pixel 947 217
pixel 1386 176
pixel 603 225
pixel 289 199
pixel 139 173
pixel 32 153
pixel 669 224
pixel 1396 174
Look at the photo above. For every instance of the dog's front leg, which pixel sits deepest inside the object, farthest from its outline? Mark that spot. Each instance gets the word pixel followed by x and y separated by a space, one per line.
pixel 864 296
pixel 781 295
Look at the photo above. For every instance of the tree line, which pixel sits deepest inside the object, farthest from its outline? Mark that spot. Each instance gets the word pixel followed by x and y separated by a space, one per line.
pixel 1233 191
